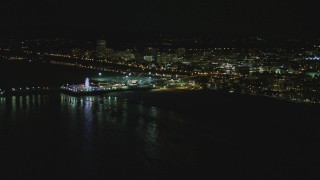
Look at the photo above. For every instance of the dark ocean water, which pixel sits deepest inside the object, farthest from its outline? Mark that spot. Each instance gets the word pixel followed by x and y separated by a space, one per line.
pixel 24 74
pixel 57 136
pixel 156 135
pixel 63 137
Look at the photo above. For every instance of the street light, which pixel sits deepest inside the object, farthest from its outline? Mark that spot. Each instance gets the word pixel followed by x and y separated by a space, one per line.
pixel 100 75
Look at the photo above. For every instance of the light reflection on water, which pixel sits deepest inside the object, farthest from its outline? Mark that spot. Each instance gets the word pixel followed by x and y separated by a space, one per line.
pixel 104 115
pixel 97 130
pixel 14 106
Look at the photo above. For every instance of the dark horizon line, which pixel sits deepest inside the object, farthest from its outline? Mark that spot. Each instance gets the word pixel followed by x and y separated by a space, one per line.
pixel 136 34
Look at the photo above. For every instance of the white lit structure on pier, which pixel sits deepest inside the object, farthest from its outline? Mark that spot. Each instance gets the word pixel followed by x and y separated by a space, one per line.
pixel 87 84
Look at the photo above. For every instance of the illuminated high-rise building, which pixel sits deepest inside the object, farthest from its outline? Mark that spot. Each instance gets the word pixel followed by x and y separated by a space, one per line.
pixel 150 54
pixel 101 50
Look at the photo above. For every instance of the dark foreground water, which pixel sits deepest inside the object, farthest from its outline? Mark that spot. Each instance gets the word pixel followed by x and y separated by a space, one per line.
pixel 64 137
pixel 188 134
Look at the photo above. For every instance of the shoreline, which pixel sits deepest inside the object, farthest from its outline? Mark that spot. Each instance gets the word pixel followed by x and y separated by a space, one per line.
pixel 125 93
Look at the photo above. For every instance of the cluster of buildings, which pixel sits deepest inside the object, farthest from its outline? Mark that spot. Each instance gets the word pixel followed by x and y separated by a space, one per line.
pixel 288 72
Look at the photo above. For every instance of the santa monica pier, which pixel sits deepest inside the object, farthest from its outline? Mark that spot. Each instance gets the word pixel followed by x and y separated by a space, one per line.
pixel 91 86
pixel 100 85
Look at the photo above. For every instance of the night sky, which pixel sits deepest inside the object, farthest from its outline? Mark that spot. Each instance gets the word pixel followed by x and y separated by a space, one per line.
pixel 285 18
